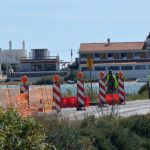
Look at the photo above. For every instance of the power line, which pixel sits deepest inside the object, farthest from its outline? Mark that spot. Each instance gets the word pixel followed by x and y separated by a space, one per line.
pixel 63 51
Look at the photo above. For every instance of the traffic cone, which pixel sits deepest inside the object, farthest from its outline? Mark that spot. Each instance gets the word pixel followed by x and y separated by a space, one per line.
pixel 40 109
pixel 54 109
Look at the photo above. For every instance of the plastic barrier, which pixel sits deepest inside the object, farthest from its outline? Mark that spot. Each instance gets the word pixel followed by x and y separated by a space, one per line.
pixel 69 102
pixel 86 101
pixel 112 99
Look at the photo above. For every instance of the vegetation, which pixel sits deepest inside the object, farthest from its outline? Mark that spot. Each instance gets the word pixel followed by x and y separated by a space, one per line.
pixel 44 80
pixel 73 76
pixel 143 89
pixel 70 76
pixel 142 94
pixel 19 133
pixel 93 96
pixel 137 96
pixel 105 133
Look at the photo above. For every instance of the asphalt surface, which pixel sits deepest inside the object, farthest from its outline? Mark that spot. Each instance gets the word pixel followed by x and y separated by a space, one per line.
pixel 130 108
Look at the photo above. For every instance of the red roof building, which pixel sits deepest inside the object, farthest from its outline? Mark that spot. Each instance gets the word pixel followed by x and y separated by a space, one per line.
pixel 132 58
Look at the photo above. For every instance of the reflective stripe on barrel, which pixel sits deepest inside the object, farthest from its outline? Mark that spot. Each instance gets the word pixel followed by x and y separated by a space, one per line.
pixel 80 92
pixel 56 96
pixel 24 89
pixel 121 91
pixel 102 91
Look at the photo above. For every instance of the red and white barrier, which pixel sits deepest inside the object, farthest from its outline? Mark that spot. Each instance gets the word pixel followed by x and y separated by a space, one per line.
pixel 56 106
pixel 121 90
pixel 24 87
pixel 80 93
pixel 102 90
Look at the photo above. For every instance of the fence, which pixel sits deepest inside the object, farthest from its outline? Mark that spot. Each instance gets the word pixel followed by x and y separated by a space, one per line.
pixel 11 97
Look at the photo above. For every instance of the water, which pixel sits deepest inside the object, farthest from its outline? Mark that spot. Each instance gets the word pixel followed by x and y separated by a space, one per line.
pixel 130 87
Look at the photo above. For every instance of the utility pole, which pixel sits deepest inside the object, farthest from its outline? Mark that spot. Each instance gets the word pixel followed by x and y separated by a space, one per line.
pixel 71 55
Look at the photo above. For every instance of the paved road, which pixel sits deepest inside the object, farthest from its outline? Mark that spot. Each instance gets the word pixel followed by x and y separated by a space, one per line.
pixel 131 108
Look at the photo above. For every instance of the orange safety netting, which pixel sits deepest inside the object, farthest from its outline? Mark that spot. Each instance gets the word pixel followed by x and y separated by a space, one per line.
pixel 12 97
pixel 43 93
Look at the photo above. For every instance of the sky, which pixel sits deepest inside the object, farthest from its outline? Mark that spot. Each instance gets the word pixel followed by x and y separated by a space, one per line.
pixel 61 25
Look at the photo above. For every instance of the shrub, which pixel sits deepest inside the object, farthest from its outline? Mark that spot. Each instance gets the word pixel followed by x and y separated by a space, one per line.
pixel 44 80
pixel 138 124
pixel 142 89
pixel 61 133
pixel 105 133
pixel 71 76
pixel 19 133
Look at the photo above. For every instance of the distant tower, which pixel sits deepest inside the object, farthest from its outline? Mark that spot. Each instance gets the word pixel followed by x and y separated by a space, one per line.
pixel 23 45
pixel 10 45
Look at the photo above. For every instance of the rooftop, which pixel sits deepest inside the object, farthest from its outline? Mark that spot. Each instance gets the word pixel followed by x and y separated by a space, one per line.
pixel 112 46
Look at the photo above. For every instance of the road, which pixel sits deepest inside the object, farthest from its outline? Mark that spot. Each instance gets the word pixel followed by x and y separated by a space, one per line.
pixel 130 108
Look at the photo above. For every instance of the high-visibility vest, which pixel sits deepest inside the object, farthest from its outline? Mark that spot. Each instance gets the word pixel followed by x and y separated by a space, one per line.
pixel 148 80
pixel 116 82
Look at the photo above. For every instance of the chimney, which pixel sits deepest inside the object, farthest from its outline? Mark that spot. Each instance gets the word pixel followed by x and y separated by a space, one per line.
pixel 108 41
pixel 10 45
pixel 23 45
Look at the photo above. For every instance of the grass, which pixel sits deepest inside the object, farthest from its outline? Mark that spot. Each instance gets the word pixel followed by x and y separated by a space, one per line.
pixel 108 132
pixel 137 96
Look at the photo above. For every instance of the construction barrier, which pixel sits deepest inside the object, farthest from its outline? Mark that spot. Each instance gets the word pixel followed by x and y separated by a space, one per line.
pixel 102 89
pixel 56 94
pixel 68 102
pixel 80 90
pixel 24 87
pixel 45 99
pixel 112 99
pixel 121 90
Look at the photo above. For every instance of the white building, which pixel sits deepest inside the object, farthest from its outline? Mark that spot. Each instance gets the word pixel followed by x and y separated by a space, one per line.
pixel 132 58
pixel 11 57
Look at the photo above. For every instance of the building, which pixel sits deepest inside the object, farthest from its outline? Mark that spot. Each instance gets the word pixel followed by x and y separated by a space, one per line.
pixel 38 64
pixel 10 58
pixel 132 58
pixel 39 60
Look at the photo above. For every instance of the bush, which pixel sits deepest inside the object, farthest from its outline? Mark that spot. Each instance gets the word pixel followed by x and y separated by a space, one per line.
pixel 138 124
pixel 61 133
pixel 19 133
pixel 105 133
pixel 44 80
pixel 71 76
pixel 142 89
